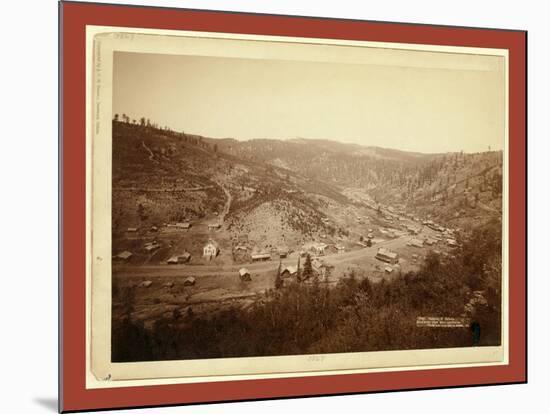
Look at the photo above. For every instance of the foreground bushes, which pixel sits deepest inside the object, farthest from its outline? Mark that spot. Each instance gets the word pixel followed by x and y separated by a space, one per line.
pixel 356 315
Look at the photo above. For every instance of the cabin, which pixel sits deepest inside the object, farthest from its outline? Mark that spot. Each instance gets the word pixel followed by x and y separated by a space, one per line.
pixel 452 243
pixel 125 255
pixel 320 267
pixel 388 269
pixel 415 243
pixel 340 248
pixel 190 281
pixel 289 271
pixel 132 230
pixel 214 226
pixel 244 275
pixel 319 248
pixel 184 226
pixel 151 246
pixel 387 256
pixel 179 259
pixel 210 249
pixel 260 257
pixel 430 242
pixel 283 252
pixel 173 260
pixel 154 228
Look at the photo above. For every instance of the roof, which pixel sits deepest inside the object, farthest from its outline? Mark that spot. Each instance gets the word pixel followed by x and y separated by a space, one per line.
pixel 124 255
pixel 243 271
pixel 290 269
pixel 317 264
pixel 260 255
pixel 416 243
pixel 212 242
pixel 183 225
pixel 173 259
pixel 388 269
pixel 190 279
pixel 388 253
pixel 151 246
pixel 214 225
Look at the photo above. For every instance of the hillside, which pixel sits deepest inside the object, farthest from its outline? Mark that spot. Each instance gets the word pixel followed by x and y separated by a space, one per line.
pixel 161 176
pixel 287 192
pixel 453 187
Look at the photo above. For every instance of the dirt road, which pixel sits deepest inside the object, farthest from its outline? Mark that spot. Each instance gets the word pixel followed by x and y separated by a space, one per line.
pixel 227 205
pixel 255 268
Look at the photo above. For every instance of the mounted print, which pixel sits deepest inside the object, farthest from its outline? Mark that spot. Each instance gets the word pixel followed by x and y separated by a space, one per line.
pixel 261 206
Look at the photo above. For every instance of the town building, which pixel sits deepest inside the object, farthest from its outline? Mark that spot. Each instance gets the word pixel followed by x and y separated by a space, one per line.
pixel 387 256
pixel 190 281
pixel 179 259
pixel 415 243
pixel 259 257
pixel 211 249
pixel 125 255
pixel 244 275
pixel 289 271
pixel 319 248
pixel 340 248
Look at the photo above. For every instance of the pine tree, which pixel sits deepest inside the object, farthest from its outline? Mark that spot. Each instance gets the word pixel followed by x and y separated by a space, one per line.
pixel 298 271
pixel 308 269
pixel 278 279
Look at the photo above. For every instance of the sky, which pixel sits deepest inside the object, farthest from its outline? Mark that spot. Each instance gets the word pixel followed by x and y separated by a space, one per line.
pixel 412 108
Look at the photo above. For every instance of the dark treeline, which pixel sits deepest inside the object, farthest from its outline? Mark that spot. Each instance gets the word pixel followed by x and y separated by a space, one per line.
pixel 357 315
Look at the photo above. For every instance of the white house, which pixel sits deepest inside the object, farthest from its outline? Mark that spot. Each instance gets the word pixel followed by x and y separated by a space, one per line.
pixel 211 249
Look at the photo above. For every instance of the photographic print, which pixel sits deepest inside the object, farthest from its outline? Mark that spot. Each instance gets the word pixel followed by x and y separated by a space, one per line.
pixel 263 206
pixel 309 201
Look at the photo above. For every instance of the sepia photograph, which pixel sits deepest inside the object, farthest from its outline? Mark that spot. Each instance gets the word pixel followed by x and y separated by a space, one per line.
pixel 264 204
